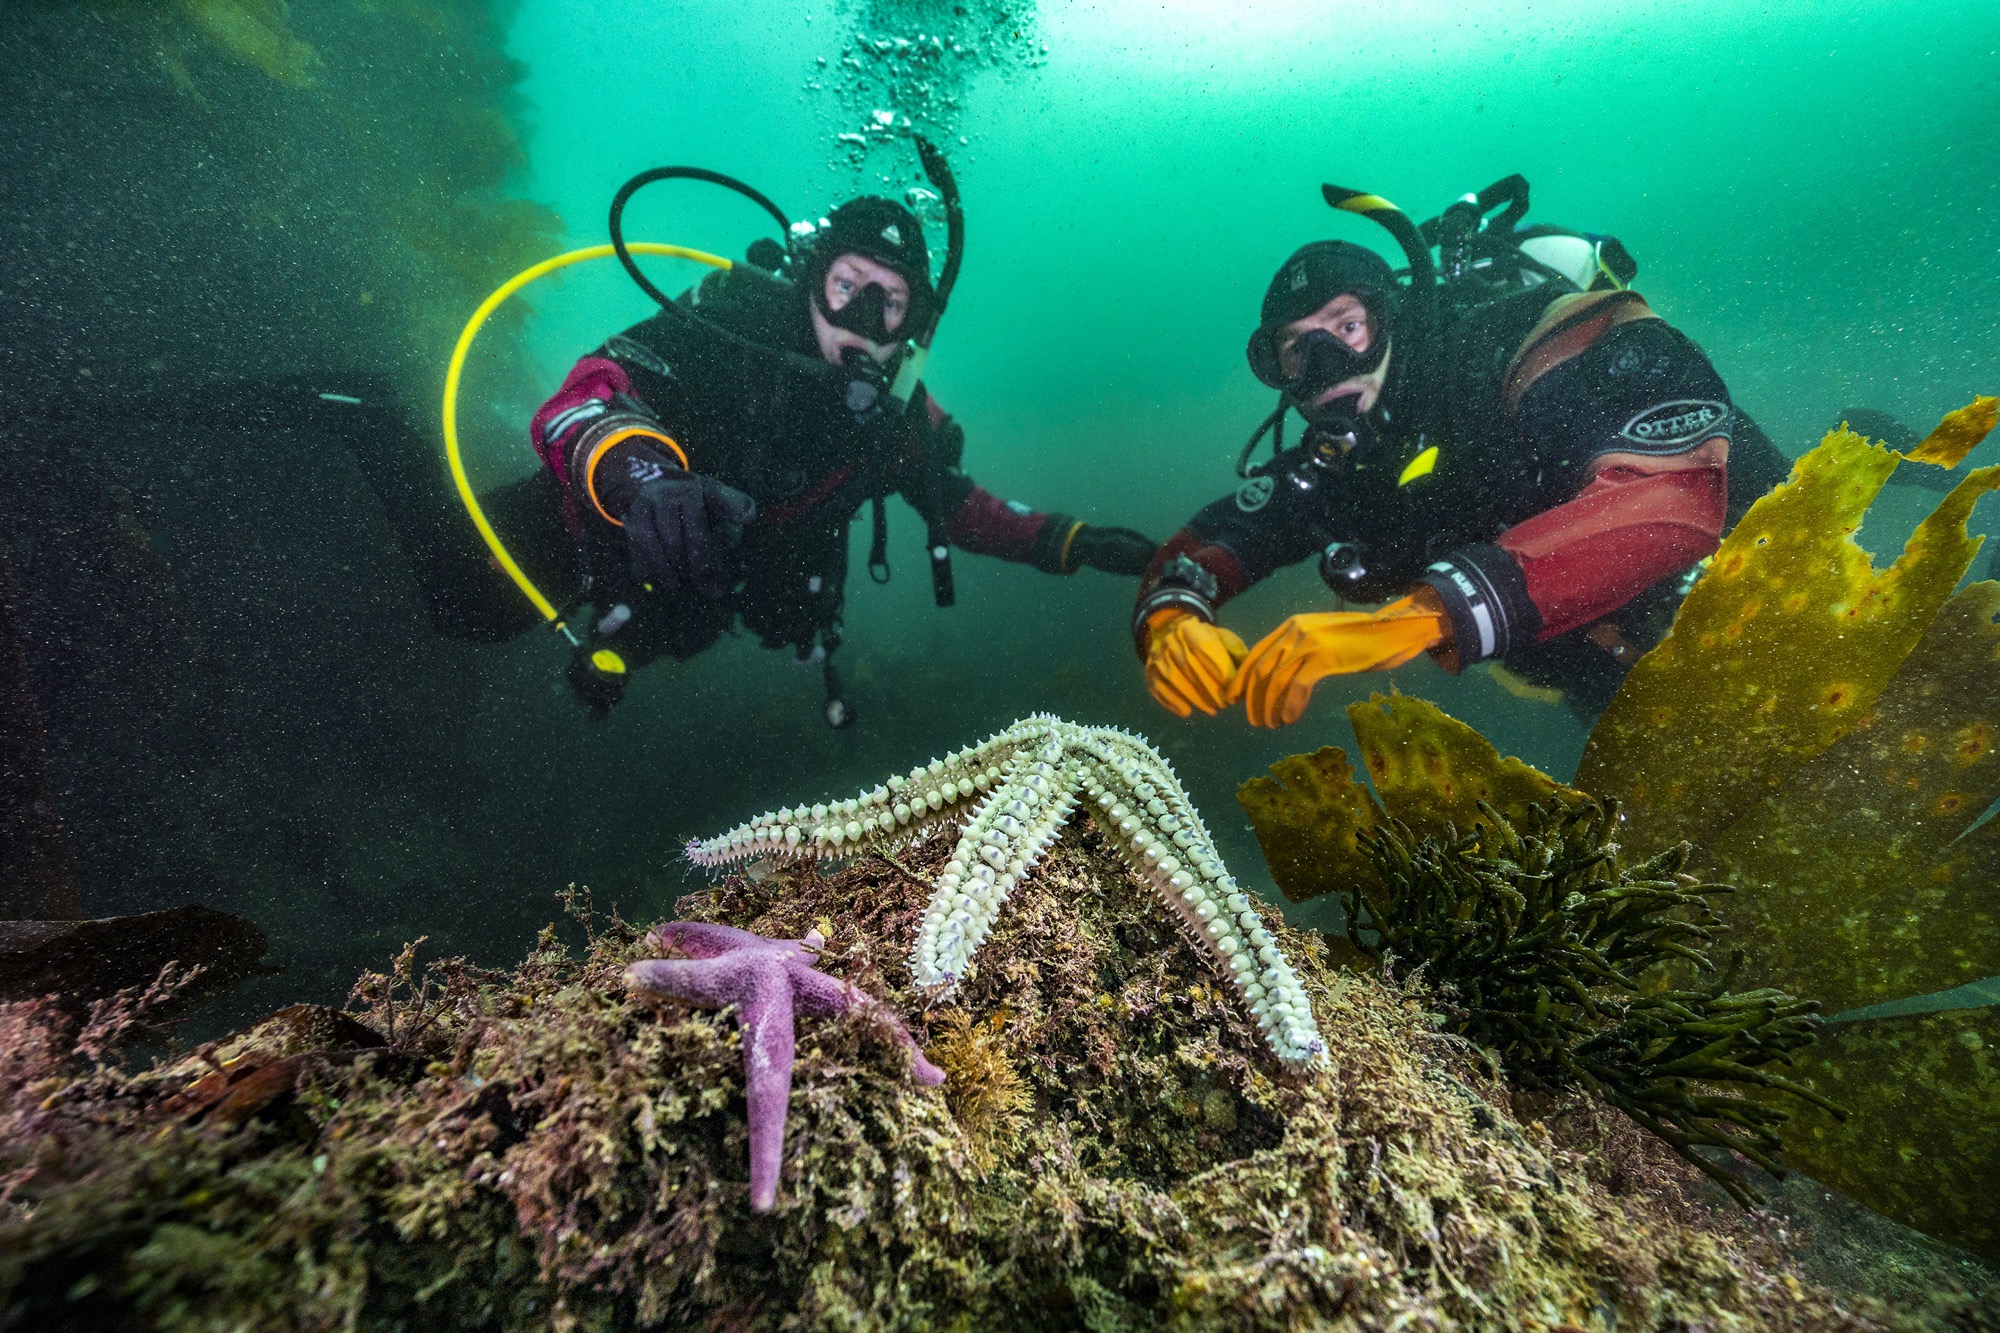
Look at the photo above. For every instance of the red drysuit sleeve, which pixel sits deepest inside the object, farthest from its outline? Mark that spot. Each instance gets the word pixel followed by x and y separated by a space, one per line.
pixel 1640 518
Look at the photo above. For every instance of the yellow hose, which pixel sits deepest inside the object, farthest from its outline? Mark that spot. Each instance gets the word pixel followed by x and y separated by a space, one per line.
pixel 456 370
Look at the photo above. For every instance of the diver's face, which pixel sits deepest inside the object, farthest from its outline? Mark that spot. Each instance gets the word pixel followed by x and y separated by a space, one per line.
pixel 845 279
pixel 1347 319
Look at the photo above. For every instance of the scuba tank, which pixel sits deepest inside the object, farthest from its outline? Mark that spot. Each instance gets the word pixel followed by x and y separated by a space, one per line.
pixel 1483 253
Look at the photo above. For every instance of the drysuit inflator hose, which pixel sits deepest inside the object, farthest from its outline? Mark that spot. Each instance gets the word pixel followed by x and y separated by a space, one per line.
pixel 456 370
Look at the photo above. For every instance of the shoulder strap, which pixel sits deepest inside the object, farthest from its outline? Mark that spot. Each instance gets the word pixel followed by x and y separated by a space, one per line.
pixel 1568 328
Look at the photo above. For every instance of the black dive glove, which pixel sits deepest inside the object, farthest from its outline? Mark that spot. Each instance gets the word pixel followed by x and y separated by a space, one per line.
pixel 1067 545
pixel 1113 550
pixel 683 528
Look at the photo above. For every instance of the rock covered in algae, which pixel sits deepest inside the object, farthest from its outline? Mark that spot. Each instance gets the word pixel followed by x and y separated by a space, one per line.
pixel 533 1149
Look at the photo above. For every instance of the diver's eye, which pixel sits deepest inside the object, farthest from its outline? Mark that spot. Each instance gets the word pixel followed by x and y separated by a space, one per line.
pixel 842 287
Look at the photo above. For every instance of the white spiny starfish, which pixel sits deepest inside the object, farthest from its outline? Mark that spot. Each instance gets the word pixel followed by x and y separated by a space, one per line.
pixel 1027 781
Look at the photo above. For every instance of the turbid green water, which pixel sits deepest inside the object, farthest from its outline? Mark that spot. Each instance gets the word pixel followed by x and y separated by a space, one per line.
pixel 269 723
pixel 1810 191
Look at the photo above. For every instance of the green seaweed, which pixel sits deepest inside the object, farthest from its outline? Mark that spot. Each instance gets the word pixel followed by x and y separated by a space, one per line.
pixel 1823 733
pixel 1430 771
pixel 1864 879
pixel 258 33
pixel 1924 1153
pixel 1309 817
pixel 1958 434
pixel 387 140
pixel 1547 952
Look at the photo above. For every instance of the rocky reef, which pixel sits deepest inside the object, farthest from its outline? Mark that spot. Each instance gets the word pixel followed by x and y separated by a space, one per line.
pixel 1114 1148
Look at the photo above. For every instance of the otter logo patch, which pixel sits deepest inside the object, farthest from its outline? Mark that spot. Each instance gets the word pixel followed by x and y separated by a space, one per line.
pixel 1254 494
pixel 1682 421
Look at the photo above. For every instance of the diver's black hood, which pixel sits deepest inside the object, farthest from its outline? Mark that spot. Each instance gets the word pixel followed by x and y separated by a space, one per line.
pixel 1320 271
pixel 1314 275
pixel 880 229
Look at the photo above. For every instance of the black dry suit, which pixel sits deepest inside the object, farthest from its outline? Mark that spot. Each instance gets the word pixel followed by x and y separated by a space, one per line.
pixel 1549 462
pixel 733 376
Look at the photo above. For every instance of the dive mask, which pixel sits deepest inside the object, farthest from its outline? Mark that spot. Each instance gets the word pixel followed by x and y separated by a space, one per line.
pixel 866 313
pixel 1320 361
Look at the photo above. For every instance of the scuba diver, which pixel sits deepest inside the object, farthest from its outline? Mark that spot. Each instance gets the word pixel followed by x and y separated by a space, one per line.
pixel 1511 453
pixel 704 467
pixel 712 457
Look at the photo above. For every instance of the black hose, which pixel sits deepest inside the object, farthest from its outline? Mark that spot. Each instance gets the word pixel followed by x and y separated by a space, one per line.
pixel 1423 269
pixel 1272 425
pixel 1511 191
pixel 939 172
pixel 645 178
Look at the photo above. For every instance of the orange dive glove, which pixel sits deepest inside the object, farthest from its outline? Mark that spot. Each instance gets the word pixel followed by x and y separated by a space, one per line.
pixel 1277 679
pixel 1190 663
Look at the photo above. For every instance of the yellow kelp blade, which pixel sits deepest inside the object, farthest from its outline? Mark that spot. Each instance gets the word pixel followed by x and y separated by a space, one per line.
pixel 1431 771
pixel 1922 1141
pixel 1780 650
pixel 1309 816
pixel 1854 885
pixel 1958 434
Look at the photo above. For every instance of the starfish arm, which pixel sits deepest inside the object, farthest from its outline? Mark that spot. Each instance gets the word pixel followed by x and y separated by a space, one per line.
pixel 892 812
pixel 816 993
pixel 1145 813
pixel 708 982
pixel 1002 842
pixel 766 1022
pixel 699 939
pixel 922 1069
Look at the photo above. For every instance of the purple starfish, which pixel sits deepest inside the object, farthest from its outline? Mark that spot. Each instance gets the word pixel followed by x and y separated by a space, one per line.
pixel 766 980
